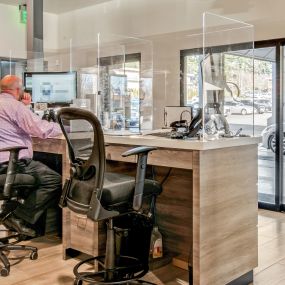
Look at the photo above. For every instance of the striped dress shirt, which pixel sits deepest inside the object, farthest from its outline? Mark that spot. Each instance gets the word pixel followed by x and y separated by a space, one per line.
pixel 18 124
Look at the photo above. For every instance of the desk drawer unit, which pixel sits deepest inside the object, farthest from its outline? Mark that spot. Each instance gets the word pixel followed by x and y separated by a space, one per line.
pixel 82 234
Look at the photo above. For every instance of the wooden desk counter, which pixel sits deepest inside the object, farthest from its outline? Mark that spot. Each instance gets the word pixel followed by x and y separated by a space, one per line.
pixel 55 145
pixel 207 211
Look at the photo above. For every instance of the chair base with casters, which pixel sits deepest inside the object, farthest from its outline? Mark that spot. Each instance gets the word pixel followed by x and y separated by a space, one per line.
pixel 112 268
pixel 12 187
pixel 5 270
pixel 9 242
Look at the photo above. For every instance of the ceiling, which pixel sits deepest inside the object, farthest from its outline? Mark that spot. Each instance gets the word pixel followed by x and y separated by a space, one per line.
pixel 59 6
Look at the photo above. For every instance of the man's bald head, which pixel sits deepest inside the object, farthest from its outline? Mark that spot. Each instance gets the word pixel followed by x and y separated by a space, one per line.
pixel 11 84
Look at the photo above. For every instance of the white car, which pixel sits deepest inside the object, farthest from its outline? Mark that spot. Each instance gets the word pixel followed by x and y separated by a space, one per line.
pixel 239 108
pixel 269 138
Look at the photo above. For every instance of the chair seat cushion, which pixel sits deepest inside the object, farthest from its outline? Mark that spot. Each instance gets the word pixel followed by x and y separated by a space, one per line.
pixel 22 182
pixel 117 189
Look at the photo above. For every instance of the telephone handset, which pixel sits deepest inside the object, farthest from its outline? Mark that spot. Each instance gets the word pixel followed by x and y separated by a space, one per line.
pixel 179 129
pixel 178 124
pixel 49 115
pixel 196 124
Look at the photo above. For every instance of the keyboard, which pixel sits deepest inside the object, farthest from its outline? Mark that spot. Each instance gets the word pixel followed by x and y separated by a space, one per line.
pixel 161 134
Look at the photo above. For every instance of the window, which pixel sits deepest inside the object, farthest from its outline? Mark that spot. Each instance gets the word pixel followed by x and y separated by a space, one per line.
pixel 15 67
pixel 264 101
pixel 120 87
pixel 191 77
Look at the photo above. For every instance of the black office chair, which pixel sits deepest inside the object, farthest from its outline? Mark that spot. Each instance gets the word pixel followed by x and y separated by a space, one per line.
pixel 12 187
pixel 106 196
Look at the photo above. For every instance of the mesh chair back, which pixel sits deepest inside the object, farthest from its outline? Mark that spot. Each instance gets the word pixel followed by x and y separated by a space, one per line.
pixel 83 190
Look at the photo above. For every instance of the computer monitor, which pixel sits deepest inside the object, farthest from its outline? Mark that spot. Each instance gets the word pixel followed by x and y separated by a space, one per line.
pixel 51 87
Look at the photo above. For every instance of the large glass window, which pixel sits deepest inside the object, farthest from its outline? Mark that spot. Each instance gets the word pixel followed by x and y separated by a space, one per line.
pixel 192 78
pixel 120 84
pixel 238 98
pixel 241 101
pixel 14 66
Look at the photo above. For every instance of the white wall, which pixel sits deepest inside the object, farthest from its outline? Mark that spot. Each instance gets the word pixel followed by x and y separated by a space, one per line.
pixel 13 33
pixel 127 17
pixel 153 17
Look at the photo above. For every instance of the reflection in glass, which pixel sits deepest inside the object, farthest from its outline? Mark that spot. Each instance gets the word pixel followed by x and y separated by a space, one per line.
pixel 240 101
pixel 223 86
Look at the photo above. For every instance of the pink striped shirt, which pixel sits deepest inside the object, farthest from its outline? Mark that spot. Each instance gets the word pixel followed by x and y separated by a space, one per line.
pixel 18 123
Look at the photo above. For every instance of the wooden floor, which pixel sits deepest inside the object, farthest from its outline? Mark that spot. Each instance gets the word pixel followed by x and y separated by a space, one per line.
pixel 51 269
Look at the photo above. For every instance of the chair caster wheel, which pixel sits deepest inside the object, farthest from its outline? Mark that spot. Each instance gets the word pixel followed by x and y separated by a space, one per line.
pixel 34 255
pixel 4 272
pixel 77 282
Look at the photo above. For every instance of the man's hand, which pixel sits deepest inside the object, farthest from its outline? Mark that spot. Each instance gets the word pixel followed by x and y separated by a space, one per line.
pixel 26 98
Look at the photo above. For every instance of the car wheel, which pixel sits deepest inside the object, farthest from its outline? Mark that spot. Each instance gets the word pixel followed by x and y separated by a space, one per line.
pixel 272 143
pixel 243 112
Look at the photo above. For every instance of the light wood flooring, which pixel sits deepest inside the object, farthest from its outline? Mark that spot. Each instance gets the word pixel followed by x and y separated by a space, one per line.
pixel 51 269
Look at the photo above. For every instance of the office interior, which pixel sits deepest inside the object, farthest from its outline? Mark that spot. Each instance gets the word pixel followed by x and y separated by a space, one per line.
pixel 139 66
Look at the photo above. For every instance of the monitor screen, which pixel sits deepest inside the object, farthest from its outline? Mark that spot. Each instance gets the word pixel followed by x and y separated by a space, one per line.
pixel 51 87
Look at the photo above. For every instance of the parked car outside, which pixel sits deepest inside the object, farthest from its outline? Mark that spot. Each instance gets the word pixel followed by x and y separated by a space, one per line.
pixel 239 108
pixel 269 138
pixel 267 104
pixel 195 106
pixel 258 106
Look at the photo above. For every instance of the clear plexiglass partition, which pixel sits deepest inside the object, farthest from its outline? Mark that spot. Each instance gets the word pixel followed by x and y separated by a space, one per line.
pixel 227 77
pixel 112 78
pixel 125 83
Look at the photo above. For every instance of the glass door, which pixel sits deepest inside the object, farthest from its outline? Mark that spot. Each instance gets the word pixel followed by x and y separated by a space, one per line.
pixel 265 121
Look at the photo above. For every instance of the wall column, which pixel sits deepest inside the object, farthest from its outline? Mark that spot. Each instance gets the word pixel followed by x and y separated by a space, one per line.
pixel 35 35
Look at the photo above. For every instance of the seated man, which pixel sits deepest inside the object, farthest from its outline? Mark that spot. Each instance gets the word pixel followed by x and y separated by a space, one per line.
pixel 17 124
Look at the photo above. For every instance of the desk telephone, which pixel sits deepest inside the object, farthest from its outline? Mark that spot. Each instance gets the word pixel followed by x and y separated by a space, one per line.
pixel 49 115
pixel 180 129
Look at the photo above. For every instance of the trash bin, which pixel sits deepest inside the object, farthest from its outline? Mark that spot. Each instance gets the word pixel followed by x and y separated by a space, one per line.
pixel 133 234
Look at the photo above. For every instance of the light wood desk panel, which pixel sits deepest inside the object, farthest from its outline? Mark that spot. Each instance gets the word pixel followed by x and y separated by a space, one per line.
pixel 207 211
pixel 56 146
pixel 161 157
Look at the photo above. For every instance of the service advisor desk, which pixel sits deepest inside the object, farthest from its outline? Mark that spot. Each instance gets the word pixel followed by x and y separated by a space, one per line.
pixel 207 212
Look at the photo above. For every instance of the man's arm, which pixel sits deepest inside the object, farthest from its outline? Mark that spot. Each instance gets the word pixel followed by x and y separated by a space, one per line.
pixel 34 125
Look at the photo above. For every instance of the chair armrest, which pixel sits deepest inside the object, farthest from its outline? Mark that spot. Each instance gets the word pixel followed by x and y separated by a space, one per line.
pixel 12 166
pixel 139 150
pixel 16 148
pixel 142 153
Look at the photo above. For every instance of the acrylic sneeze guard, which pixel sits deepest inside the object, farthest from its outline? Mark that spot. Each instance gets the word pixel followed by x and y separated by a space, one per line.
pixel 224 86
pixel 114 79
